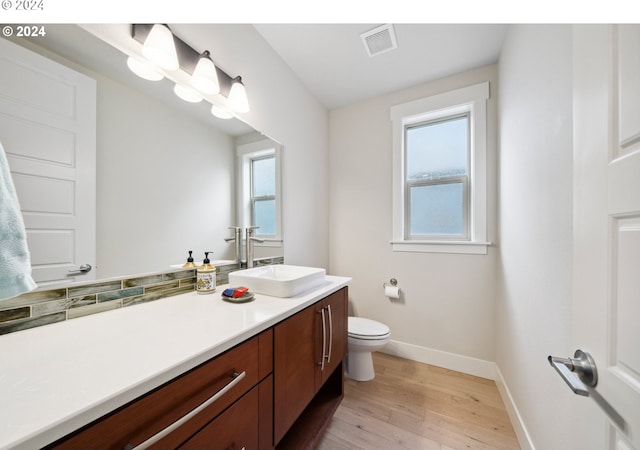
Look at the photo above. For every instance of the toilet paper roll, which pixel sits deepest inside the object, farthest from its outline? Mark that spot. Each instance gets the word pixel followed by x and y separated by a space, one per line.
pixel 392 291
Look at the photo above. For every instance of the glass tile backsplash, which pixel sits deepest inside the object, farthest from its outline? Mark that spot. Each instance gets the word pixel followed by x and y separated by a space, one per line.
pixel 58 304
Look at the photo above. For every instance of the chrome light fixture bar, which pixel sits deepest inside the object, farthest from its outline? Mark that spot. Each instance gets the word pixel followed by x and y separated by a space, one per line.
pixel 206 77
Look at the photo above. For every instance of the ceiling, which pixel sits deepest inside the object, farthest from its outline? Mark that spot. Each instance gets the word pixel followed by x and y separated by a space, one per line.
pixel 331 60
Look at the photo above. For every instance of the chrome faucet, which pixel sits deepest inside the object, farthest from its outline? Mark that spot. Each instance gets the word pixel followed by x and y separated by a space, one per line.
pixel 237 239
pixel 249 240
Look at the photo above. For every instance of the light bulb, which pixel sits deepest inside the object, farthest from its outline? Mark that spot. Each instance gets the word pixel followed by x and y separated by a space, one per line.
pixel 220 113
pixel 187 94
pixel 160 48
pixel 237 99
pixel 205 75
pixel 143 69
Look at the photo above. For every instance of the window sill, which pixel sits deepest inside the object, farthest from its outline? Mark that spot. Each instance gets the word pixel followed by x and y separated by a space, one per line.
pixel 276 243
pixel 459 247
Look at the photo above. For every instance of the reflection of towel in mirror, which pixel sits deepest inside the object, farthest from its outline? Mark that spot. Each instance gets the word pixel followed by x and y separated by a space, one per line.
pixel 15 263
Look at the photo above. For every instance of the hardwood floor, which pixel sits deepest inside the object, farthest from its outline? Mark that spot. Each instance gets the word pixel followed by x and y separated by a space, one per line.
pixel 410 405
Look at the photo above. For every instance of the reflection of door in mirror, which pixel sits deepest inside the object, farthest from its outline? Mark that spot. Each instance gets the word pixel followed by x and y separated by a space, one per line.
pixel 47 127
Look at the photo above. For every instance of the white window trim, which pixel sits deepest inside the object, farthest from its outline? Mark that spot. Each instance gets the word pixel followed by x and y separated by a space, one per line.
pixel 245 153
pixel 474 100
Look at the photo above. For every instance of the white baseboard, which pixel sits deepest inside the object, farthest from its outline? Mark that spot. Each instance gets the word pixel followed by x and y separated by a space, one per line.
pixel 471 366
pixel 452 361
pixel 514 415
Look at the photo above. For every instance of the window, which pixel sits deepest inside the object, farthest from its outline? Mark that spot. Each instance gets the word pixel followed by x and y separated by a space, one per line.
pixel 439 173
pixel 437 179
pixel 259 199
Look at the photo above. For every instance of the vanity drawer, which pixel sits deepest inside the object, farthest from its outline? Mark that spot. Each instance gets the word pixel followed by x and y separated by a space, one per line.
pixel 141 419
pixel 241 426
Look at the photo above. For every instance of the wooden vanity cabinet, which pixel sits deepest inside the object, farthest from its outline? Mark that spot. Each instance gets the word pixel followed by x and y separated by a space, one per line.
pixel 291 385
pixel 243 411
pixel 309 349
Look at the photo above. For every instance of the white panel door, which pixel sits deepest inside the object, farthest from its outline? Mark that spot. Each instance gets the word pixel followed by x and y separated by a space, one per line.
pixel 48 128
pixel 606 305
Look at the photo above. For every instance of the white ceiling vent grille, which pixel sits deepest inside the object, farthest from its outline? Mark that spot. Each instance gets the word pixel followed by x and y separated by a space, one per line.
pixel 379 40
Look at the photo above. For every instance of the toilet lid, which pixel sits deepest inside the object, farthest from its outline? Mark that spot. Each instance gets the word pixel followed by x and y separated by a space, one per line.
pixel 359 326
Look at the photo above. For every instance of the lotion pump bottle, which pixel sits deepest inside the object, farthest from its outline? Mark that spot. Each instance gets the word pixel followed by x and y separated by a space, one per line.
pixel 189 262
pixel 206 276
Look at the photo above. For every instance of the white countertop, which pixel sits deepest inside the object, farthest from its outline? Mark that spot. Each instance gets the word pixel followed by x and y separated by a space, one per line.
pixel 57 378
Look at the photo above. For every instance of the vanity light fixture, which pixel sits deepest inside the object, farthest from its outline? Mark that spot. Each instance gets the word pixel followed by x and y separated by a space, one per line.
pixel 195 74
pixel 238 96
pixel 205 75
pixel 187 94
pixel 144 69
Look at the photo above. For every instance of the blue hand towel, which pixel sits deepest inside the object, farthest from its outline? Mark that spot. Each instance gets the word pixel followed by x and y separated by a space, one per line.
pixel 15 262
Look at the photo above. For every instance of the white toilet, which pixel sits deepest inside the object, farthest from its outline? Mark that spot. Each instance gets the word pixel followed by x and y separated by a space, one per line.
pixel 365 336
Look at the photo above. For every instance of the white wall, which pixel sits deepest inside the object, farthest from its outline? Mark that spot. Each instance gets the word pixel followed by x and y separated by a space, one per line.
pixel 448 300
pixel 533 312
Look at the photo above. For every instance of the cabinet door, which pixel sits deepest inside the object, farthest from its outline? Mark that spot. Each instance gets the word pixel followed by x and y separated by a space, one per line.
pixel 296 356
pixel 335 315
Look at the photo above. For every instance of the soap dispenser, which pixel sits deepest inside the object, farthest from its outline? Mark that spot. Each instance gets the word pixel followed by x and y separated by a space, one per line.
pixel 206 276
pixel 189 262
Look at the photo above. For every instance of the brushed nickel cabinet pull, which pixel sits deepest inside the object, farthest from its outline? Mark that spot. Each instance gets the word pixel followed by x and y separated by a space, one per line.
pixel 161 434
pixel 330 334
pixel 324 340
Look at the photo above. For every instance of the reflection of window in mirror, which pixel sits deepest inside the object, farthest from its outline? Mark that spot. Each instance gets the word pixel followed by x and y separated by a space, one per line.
pixel 263 194
pixel 259 190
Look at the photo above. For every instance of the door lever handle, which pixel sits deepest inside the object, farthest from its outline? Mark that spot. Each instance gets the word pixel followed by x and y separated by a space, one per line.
pixel 583 365
pixel 82 269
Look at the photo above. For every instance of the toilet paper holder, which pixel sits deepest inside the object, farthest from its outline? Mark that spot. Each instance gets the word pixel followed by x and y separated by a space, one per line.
pixel 392 282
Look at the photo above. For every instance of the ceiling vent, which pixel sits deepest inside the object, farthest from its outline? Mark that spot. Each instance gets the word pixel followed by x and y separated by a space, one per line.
pixel 379 40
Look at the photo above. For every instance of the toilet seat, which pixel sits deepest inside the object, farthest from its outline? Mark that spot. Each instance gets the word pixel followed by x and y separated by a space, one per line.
pixel 367 329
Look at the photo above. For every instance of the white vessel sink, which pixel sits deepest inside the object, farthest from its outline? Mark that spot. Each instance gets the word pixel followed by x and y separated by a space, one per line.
pixel 278 280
